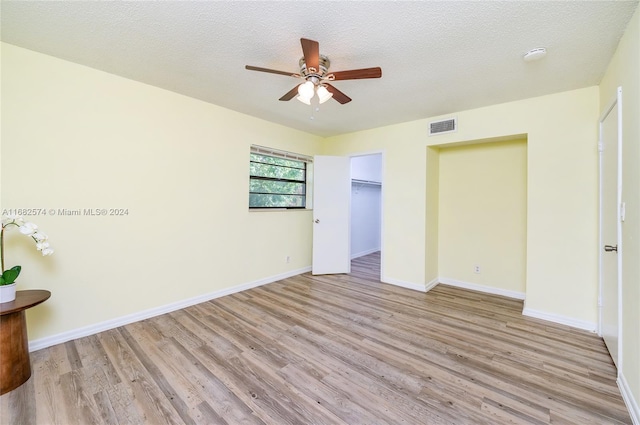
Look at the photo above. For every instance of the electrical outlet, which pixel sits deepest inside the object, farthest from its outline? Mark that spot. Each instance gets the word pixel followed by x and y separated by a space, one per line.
pixel 476 269
pixel 287 259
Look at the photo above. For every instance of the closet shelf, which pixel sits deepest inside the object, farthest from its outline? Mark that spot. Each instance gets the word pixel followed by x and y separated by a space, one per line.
pixel 367 182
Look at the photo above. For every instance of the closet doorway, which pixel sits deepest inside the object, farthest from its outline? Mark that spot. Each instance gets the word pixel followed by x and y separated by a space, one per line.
pixel 366 212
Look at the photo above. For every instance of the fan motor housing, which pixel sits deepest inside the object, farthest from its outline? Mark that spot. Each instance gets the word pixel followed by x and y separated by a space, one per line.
pixel 323 64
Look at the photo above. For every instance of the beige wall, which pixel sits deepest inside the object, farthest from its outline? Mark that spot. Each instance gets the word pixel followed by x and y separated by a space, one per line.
pixel 624 71
pixel 432 210
pixel 562 196
pixel 79 138
pixel 483 214
pixel 404 217
pixel 76 138
pixel 73 137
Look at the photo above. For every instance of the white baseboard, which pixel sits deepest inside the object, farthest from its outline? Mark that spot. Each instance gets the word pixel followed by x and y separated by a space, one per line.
pixel 432 284
pixel 562 320
pixel 363 253
pixel 408 285
pixel 135 317
pixel 482 288
pixel 551 317
pixel 629 400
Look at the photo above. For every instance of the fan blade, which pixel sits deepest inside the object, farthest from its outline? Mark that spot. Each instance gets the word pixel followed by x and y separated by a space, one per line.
pixel 271 71
pixel 357 74
pixel 290 94
pixel 337 94
pixel 311 52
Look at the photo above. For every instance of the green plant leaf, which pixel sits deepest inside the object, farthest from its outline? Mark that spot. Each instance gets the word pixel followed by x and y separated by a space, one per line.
pixel 11 275
pixel 2 282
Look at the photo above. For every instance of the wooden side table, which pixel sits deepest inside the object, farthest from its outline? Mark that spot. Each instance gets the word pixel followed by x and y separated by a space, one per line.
pixel 15 365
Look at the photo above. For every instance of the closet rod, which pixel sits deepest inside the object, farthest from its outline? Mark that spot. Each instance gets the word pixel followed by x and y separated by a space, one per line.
pixel 369 182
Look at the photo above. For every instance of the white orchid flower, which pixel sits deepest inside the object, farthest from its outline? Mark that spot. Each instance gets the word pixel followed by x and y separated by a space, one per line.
pixel 28 228
pixel 39 236
pixel 42 245
pixel 12 219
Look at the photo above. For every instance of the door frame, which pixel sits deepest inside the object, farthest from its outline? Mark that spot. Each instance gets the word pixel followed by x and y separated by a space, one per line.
pixel 382 203
pixel 615 103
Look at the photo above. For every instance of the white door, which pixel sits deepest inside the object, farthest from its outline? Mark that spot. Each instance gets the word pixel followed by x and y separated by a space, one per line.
pixel 610 229
pixel 331 213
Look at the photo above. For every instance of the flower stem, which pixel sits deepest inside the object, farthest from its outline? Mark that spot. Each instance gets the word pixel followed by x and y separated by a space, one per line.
pixel 2 250
pixel 2 245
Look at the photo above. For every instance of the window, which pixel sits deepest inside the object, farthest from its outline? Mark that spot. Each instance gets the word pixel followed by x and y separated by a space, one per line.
pixel 277 179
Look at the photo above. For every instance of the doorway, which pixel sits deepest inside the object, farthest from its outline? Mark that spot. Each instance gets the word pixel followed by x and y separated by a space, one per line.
pixel 366 211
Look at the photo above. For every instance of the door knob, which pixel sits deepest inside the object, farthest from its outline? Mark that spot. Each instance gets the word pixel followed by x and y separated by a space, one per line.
pixel 611 248
pixel 317 220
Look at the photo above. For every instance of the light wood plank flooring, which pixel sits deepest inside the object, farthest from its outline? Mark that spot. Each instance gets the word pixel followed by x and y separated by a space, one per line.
pixel 343 349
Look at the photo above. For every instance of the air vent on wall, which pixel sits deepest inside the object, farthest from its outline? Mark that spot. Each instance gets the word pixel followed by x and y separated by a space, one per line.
pixel 444 126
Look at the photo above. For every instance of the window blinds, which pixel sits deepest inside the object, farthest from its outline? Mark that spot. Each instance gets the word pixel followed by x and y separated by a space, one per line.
pixel 281 154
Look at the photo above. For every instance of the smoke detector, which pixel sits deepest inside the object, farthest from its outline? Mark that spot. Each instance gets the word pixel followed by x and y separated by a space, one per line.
pixel 535 54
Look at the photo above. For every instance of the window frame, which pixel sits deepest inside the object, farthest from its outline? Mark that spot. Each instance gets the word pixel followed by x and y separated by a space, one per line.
pixel 279 154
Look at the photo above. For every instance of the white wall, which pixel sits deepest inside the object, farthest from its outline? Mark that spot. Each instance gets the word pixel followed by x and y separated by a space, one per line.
pixel 366 204
pixel 367 167
pixel 77 138
pixel 365 219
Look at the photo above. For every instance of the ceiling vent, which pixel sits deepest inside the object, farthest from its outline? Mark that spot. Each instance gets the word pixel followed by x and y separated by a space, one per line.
pixel 449 125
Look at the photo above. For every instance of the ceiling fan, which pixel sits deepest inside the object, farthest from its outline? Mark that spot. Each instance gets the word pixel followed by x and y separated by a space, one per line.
pixel 314 69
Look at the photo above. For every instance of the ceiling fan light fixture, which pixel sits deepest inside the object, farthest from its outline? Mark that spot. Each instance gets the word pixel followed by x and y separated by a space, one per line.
pixel 306 90
pixel 314 70
pixel 305 100
pixel 323 94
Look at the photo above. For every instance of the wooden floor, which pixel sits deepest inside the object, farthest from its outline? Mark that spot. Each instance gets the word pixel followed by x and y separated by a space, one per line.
pixel 340 349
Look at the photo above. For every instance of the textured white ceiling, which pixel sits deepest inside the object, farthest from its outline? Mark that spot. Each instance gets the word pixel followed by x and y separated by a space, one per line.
pixel 437 57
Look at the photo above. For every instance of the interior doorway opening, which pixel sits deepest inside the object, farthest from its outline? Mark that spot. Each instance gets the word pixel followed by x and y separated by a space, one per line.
pixel 366 211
